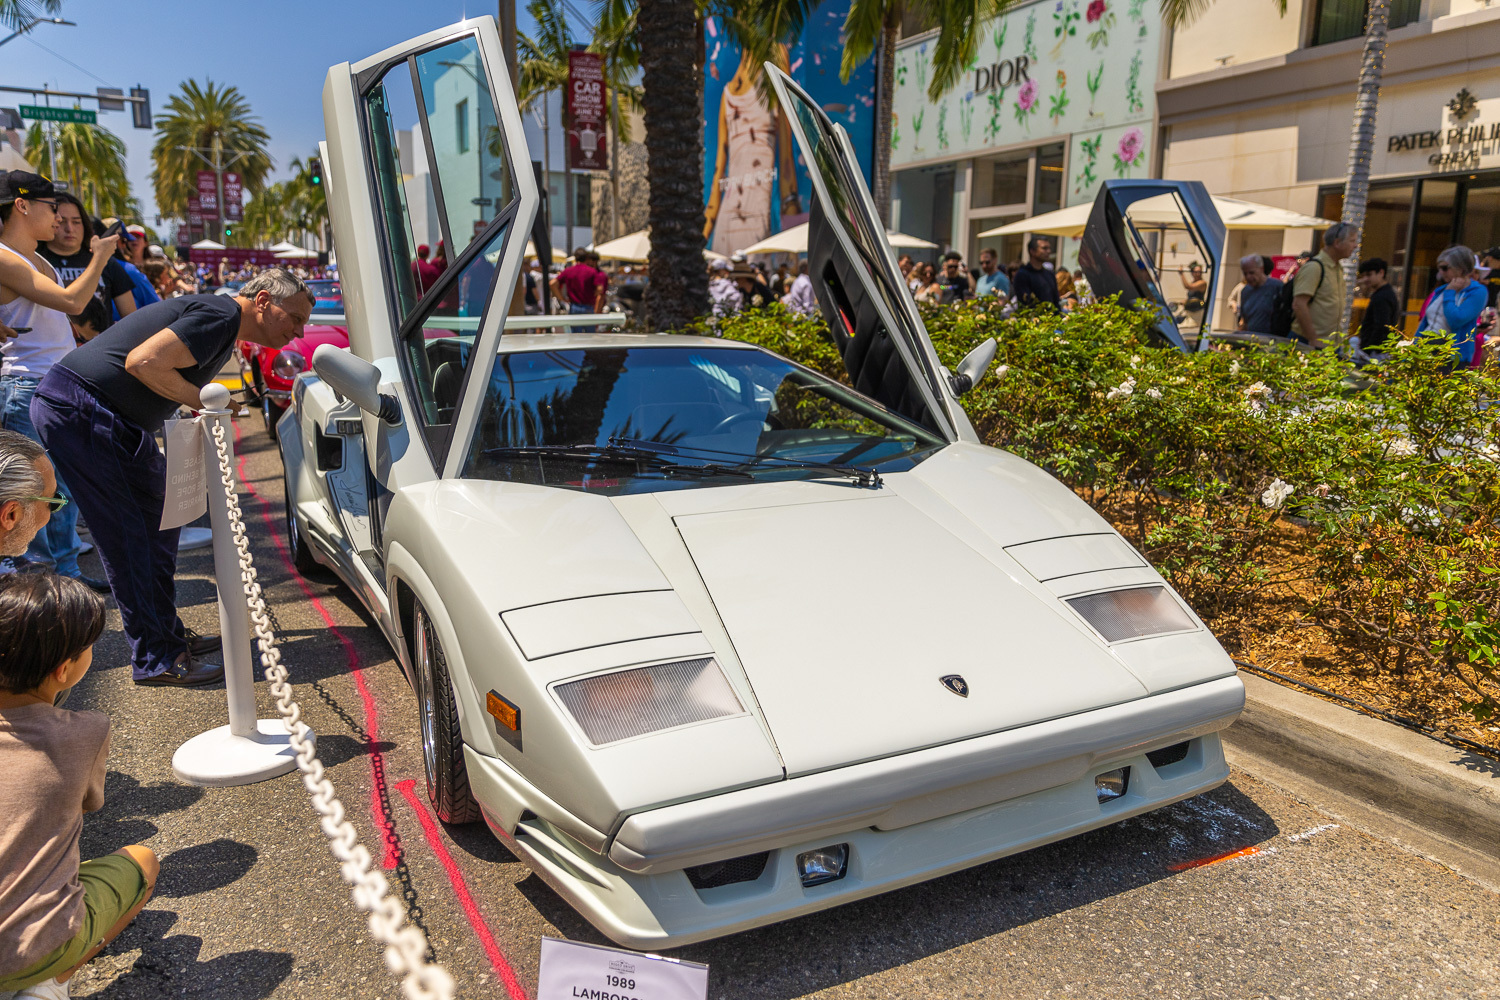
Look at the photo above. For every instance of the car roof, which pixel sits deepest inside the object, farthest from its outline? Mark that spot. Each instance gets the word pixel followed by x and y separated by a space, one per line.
pixel 513 342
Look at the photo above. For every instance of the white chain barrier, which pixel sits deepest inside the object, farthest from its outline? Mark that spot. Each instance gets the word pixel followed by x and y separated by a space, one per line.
pixel 406 946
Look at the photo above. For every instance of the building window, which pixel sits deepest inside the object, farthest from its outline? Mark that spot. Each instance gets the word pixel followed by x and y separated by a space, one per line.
pixel 1337 20
pixel 1049 179
pixel 583 201
pixel 461 124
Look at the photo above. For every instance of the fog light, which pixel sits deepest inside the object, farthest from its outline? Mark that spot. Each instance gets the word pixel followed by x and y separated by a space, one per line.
pixel 1112 784
pixel 826 864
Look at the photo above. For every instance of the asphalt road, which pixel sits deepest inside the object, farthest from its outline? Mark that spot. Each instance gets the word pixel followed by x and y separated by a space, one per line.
pixel 250 904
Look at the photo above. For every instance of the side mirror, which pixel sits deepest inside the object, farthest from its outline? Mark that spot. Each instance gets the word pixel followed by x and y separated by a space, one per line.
pixel 970 370
pixel 355 379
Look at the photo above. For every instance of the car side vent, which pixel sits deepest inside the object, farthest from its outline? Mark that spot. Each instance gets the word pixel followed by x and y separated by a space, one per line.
pixel 716 873
pixel 330 450
pixel 1168 755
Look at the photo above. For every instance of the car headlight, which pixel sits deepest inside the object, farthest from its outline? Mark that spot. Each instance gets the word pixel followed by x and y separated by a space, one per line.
pixel 626 703
pixel 1133 613
pixel 288 363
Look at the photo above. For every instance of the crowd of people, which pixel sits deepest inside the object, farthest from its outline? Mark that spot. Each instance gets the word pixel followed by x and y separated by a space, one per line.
pixel 102 339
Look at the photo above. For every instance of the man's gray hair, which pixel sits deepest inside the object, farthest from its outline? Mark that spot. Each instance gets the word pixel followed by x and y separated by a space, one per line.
pixel 1458 257
pixel 281 283
pixel 1252 260
pixel 1338 231
pixel 18 476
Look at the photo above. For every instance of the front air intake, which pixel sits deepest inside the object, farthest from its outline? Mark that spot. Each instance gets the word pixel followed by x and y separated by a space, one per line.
pixel 747 868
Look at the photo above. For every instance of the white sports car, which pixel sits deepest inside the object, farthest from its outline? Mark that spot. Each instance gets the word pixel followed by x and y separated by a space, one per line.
pixel 707 639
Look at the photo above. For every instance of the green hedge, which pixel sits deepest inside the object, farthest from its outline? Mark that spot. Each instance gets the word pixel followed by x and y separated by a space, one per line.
pixel 1370 496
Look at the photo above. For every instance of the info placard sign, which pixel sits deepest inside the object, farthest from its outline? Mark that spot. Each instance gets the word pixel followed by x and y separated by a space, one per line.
pixel 573 971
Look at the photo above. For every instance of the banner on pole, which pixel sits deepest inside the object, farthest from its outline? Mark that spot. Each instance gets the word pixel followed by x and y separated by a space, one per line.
pixel 187 480
pixel 586 147
pixel 208 193
pixel 570 970
pixel 234 206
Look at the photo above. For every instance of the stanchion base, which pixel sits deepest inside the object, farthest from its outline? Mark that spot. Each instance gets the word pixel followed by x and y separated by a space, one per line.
pixel 219 758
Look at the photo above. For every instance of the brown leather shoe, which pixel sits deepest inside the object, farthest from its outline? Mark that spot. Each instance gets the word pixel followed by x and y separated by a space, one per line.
pixel 201 645
pixel 186 672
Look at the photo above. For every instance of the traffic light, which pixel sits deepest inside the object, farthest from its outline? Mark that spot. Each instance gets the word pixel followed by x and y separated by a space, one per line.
pixel 228 231
pixel 315 168
pixel 140 111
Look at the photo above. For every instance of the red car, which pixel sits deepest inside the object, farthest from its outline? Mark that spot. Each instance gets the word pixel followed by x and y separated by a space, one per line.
pixel 271 372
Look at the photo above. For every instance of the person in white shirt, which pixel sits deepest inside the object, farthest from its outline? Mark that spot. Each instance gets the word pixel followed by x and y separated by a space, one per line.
pixel 800 299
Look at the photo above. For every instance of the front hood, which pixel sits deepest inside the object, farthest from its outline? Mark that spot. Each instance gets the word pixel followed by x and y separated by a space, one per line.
pixel 845 615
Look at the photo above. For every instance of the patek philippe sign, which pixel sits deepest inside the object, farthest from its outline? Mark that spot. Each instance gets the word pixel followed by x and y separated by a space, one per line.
pixel 1459 146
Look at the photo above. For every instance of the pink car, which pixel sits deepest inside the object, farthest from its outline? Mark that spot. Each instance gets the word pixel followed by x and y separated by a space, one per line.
pixel 271 372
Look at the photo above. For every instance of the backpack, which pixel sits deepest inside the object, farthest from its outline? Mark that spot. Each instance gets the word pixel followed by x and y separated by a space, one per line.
pixel 1283 320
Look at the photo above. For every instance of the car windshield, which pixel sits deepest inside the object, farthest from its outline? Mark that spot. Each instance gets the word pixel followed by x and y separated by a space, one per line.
pixel 637 419
pixel 329 295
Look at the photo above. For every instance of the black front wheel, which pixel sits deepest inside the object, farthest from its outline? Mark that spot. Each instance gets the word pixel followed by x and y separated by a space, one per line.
pixel 442 740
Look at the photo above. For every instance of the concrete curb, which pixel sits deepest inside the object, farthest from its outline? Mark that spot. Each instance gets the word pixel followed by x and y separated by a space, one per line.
pixel 1449 794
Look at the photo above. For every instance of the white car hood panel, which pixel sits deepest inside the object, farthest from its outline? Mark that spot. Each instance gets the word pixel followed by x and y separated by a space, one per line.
pixel 846 614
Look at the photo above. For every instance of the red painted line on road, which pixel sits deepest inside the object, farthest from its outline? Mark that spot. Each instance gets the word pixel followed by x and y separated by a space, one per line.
pixel 383 821
pixel 1243 852
pixel 461 890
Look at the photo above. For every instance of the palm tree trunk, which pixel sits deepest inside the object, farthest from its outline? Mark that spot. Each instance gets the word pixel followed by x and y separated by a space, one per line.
pixel 678 289
pixel 1362 141
pixel 887 86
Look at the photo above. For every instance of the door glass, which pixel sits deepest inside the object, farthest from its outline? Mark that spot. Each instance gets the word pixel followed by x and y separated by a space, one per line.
pixel 1481 218
pixel 1001 181
pixel 1049 179
pixel 473 171
pixel 1434 234
pixel 440 349
pixel 402 180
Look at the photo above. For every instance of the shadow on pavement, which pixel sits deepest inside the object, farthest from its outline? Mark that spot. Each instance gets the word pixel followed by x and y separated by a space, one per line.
pixel 336 748
pixel 128 808
pixel 168 965
pixel 204 868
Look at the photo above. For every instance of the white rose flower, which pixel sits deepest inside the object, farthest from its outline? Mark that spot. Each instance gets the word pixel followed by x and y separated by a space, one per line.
pixel 1135 361
pixel 1234 367
pixel 1402 447
pixel 1154 393
pixel 1125 388
pixel 1276 494
pixel 1000 372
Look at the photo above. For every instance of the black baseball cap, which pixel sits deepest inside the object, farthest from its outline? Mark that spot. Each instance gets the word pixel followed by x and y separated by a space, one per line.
pixel 25 184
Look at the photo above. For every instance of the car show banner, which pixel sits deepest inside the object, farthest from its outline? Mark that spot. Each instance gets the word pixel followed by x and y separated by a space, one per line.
pixel 234 205
pixel 571 970
pixel 208 194
pixel 586 146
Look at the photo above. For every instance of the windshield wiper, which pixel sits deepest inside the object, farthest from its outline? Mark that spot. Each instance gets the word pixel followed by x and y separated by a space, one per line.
pixel 860 474
pixel 650 458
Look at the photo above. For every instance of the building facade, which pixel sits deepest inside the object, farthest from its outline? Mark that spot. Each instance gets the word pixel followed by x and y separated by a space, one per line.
pixel 1260 107
pixel 1060 97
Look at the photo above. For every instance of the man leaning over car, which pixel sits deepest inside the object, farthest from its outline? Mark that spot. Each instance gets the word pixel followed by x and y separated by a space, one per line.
pixel 98 410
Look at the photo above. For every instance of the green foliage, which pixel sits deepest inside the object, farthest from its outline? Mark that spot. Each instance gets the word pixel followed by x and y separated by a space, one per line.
pixel 1371 496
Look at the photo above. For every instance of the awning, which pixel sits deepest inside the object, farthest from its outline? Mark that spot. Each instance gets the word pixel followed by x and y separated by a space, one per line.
pixel 635 248
pixel 209 245
pixel 1237 214
pixel 794 240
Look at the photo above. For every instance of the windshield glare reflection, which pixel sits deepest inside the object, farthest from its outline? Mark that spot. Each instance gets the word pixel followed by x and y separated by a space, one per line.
pixel 745 411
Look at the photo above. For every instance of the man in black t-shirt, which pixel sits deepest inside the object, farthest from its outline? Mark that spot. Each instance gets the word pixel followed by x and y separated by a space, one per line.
pixel 97 412
pixel 1034 281
pixel 69 256
pixel 1383 310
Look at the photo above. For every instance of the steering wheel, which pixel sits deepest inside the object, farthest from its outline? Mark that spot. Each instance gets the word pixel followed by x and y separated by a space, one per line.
pixel 736 418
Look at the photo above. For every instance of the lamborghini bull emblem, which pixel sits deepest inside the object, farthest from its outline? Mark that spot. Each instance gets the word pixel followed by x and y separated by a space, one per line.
pixel 956 684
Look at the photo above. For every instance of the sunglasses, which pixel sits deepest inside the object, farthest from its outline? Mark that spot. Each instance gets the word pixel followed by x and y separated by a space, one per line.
pixel 56 501
pixel 44 201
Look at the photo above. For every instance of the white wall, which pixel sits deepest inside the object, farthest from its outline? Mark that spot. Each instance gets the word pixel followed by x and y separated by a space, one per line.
pixel 1241 30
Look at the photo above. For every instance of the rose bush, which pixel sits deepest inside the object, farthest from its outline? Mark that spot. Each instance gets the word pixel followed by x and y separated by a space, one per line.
pixel 1368 500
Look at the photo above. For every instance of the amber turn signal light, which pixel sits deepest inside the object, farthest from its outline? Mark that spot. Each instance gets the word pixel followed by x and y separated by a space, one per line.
pixel 505 713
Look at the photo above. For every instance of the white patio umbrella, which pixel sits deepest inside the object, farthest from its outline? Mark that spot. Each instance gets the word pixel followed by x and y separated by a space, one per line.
pixel 296 253
pixel 11 159
pixel 635 248
pixel 284 245
pixel 1162 209
pixel 557 255
pixel 209 245
pixel 794 240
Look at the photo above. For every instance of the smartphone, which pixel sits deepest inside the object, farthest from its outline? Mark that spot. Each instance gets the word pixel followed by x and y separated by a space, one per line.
pixel 115 229
pixel 22 329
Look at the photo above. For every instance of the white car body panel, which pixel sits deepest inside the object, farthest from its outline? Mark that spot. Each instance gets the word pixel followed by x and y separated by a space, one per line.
pixel 832 606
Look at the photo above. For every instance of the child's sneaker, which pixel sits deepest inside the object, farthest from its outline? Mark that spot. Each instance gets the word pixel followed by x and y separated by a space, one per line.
pixel 48 989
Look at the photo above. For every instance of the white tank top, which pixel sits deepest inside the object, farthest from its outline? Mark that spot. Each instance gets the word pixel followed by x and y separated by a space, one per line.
pixel 33 354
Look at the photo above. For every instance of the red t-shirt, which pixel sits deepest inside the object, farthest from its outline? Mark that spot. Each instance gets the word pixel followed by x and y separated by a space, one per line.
pixel 581 282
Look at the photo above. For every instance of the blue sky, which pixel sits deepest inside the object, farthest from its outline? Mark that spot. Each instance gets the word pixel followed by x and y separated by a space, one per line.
pixel 275 51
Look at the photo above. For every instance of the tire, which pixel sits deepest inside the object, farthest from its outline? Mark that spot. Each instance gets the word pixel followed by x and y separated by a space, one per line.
pixel 269 411
pixel 302 556
pixel 437 713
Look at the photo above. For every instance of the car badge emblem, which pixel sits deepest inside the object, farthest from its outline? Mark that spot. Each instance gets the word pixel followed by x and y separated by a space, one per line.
pixel 956 684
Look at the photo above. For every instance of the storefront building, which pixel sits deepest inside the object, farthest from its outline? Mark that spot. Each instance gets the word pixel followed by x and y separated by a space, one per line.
pixel 1060 97
pixel 1260 107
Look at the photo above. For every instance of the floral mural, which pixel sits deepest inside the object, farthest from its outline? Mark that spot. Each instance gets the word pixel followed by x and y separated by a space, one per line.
pixel 1106 49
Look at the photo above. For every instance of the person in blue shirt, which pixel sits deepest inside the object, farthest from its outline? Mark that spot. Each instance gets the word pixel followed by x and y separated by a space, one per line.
pixel 993 280
pixel 131 252
pixel 1453 309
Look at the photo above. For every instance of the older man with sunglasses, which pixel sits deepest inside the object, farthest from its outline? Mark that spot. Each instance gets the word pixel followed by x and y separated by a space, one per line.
pixel 28 493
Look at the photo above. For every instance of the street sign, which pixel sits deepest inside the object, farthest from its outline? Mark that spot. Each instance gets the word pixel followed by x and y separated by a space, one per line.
pixel 40 114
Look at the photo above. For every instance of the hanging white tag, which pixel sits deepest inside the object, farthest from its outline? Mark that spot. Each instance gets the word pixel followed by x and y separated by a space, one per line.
pixel 571 970
pixel 186 497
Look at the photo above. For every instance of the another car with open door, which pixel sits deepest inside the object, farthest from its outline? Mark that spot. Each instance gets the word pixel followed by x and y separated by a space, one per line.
pixel 707 639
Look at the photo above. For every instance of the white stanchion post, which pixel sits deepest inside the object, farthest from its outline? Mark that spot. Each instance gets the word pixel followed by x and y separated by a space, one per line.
pixel 249 749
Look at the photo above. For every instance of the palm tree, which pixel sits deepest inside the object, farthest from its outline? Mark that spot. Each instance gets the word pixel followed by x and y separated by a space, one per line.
pixel 877 23
pixel 542 68
pixel 200 127
pixel 91 160
pixel 671 73
pixel 615 39
pixel 1180 13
